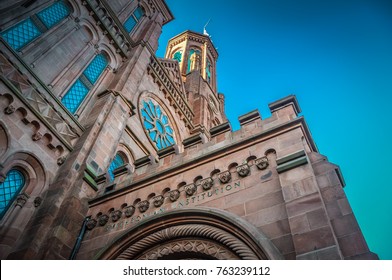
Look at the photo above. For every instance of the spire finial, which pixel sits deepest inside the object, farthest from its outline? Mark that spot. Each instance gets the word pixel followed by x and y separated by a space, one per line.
pixel 205 30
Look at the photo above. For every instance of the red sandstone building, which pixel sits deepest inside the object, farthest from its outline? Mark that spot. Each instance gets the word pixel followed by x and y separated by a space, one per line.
pixel 108 152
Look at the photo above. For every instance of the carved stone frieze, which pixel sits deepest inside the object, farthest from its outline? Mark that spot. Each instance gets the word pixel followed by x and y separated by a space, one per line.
pixel 158 200
pixel 116 215
pixel 190 189
pixel 243 170
pixel 143 206
pixel 224 177
pixel 129 211
pixel 91 223
pixel 174 195
pixel 9 109
pixel 207 183
pixel 61 160
pixel 103 219
pixel 262 163
pixel 37 136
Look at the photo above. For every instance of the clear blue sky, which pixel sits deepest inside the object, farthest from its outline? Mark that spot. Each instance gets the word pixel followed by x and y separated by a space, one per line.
pixel 336 57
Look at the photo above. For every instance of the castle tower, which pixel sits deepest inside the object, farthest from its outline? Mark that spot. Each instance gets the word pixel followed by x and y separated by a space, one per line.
pixel 197 59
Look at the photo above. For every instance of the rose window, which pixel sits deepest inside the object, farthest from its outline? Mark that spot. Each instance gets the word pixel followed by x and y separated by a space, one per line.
pixel 157 125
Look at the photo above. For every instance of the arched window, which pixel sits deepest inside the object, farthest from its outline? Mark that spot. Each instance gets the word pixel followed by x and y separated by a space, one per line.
pixel 157 125
pixel 133 19
pixel 10 188
pixel 29 29
pixel 78 91
pixel 116 163
pixel 178 56
pixel 193 60
pixel 208 71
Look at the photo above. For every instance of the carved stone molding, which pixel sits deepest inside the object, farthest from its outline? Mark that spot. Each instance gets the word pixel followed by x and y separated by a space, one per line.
pixel 262 163
pixel 243 170
pixel 9 109
pixel 207 183
pixel 21 199
pixel 190 189
pixel 103 219
pixel 129 211
pixel 116 215
pixel 224 177
pixel 174 195
pixel 37 136
pixel 158 200
pixel 37 201
pixel 91 223
pixel 143 206
pixel 194 231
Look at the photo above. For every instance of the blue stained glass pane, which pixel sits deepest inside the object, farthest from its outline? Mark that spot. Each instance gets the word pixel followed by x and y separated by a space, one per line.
pixel 11 186
pixel 95 68
pixel 116 163
pixel 21 34
pixel 53 14
pixel 130 24
pixel 138 13
pixel 75 96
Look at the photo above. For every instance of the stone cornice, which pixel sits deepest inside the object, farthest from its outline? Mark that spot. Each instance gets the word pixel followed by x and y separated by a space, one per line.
pixel 172 93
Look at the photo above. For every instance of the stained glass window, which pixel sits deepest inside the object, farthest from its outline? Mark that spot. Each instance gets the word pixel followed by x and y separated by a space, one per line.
pixel 178 56
pixel 76 94
pixel 133 19
pixel 10 188
pixel 116 163
pixel 53 14
pixel 157 125
pixel 21 34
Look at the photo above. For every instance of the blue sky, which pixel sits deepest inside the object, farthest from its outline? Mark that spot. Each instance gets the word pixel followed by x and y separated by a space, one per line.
pixel 336 57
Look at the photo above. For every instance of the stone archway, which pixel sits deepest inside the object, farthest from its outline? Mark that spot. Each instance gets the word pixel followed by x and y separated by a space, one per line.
pixel 198 233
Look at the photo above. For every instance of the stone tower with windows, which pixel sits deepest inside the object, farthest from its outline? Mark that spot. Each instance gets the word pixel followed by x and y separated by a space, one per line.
pixel 103 146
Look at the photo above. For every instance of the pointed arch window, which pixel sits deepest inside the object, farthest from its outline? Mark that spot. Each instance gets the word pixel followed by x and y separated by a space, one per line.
pixel 208 71
pixel 193 60
pixel 79 90
pixel 116 163
pixel 24 32
pixel 10 188
pixel 178 56
pixel 133 19
pixel 157 125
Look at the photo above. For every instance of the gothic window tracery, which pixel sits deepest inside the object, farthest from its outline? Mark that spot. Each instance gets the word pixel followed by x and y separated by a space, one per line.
pixel 26 31
pixel 116 163
pixel 157 125
pixel 81 87
pixel 10 188
pixel 133 19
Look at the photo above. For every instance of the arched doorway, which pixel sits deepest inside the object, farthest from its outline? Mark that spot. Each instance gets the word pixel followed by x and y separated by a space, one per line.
pixel 196 233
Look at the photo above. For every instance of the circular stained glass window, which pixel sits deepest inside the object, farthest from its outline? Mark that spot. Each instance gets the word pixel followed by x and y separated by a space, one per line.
pixel 157 125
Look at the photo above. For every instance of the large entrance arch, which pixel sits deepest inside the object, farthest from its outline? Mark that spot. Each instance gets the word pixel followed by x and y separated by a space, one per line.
pixel 192 233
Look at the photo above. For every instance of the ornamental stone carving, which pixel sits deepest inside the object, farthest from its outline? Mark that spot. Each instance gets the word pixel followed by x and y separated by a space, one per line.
pixel 61 160
pixel 103 219
pixel 143 206
pixel 190 189
pixel 91 223
pixel 9 110
pixel 224 177
pixel 243 170
pixel 37 136
pixel 262 163
pixel 21 199
pixel 116 215
pixel 174 195
pixel 206 183
pixel 158 200
pixel 129 211
pixel 37 201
